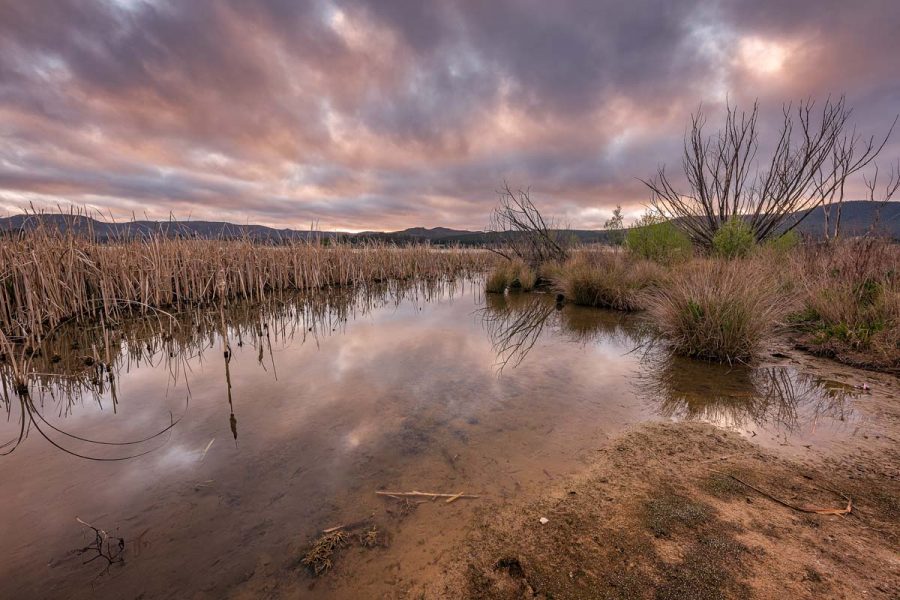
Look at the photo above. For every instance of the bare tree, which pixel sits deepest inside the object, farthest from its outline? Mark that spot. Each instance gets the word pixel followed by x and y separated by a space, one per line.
pixel 890 188
pixel 524 232
pixel 813 156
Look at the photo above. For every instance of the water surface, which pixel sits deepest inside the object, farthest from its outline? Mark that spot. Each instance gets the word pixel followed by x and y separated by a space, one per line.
pixel 323 401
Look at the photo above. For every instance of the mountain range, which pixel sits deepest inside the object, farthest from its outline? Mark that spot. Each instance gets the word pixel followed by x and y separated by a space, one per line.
pixel 857 217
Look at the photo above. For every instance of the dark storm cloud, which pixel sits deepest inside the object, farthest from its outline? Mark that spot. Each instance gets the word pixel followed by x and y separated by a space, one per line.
pixel 380 114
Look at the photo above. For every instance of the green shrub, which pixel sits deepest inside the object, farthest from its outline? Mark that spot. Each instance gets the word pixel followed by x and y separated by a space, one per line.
pixel 734 239
pixel 654 238
pixel 785 242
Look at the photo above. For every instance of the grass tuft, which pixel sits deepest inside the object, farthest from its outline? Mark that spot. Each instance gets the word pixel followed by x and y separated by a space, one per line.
pixel 718 310
pixel 608 280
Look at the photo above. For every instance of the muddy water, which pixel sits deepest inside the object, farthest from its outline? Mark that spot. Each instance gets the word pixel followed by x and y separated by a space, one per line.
pixel 430 388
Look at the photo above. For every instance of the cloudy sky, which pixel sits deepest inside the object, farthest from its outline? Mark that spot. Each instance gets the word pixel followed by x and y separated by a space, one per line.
pixel 388 114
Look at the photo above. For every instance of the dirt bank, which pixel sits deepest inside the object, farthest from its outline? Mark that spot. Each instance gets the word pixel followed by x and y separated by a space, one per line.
pixel 659 515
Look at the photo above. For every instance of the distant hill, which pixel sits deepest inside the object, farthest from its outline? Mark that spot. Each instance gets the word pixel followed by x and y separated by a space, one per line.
pixel 857 218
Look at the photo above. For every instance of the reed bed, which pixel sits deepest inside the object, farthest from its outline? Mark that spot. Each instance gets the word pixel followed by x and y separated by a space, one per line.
pixel 48 277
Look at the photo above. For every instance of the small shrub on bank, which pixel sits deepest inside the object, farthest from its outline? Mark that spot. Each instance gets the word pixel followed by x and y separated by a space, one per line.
pixel 654 238
pixel 718 310
pixel 734 240
pixel 784 243
pixel 608 280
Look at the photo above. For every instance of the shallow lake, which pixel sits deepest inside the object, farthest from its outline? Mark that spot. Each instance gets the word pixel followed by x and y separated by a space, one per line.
pixel 218 473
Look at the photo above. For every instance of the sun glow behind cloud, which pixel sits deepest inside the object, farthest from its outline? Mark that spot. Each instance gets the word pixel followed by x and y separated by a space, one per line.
pixel 762 57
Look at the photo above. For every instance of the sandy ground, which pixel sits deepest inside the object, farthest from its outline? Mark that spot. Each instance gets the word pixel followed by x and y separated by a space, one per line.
pixel 659 515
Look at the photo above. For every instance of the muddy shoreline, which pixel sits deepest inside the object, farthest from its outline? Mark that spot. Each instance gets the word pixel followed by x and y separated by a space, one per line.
pixel 658 514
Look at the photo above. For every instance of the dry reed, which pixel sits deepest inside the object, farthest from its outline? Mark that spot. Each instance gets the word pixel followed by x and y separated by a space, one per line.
pixel 851 295
pixel 48 277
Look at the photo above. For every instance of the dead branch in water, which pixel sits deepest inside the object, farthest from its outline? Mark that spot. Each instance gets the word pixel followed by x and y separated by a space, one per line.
pixel 109 548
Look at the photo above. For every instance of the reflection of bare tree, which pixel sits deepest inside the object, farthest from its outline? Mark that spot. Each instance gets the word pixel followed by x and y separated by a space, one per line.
pixel 738 396
pixel 515 322
pixel 75 364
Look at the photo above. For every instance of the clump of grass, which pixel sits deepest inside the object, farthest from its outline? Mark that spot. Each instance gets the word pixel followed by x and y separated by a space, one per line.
pixel 318 559
pixel 718 310
pixel 512 275
pixel 851 297
pixel 608 280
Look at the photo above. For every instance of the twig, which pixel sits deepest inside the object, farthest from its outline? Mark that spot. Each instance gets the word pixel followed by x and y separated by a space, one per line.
pixel 804 509
pixel 416 494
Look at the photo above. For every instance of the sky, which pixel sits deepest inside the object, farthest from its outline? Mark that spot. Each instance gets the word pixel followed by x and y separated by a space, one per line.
pixel 382 115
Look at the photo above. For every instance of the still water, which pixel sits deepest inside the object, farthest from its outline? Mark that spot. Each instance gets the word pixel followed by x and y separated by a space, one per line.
pixel 218 472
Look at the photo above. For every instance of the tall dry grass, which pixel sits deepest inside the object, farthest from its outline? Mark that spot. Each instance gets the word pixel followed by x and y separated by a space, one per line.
pixel 48 277
pixel 608 280
pixel 851 296
pixel 511 274
pixel 720 310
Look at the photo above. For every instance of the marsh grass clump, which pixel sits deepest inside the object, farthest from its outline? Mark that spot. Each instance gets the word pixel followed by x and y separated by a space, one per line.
pixel 511 275
pixel 851 298
pixel 608 280
pixel 718 310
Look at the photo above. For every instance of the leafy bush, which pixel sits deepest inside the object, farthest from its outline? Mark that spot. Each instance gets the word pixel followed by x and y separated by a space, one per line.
pixel 734 239
pixel 784 243
pixel 654 238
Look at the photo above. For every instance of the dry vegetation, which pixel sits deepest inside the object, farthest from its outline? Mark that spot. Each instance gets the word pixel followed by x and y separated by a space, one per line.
pixel 49 277
pixel 842 298
pixel 608 280
pixel 851 292
pixel 719 309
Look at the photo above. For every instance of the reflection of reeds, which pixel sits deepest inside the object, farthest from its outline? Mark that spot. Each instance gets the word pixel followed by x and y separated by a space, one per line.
pixel 737 396
pixel 76 362
pixel 515 325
